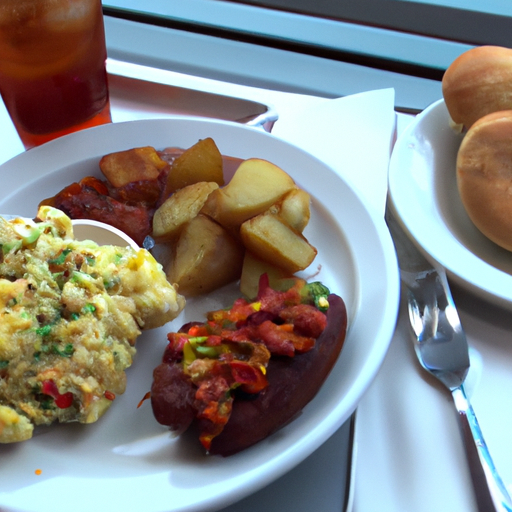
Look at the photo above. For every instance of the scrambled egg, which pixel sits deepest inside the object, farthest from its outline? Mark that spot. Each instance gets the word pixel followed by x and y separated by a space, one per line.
pixel 70 312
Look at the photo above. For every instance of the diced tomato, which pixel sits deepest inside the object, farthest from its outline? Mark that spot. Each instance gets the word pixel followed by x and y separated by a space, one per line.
pixel 275 300
pixel 281 341
pixel 238 313
pixel 306 319
pixel 252 379
pixel 276 340
pixel 198 330
pixel 109 395
pixel 61 401
pixel 214 415
pixel 174 349
pixel 213 340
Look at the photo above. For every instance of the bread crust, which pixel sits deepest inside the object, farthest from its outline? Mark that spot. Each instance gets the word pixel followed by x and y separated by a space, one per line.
pixel 484 176
pixel 477 83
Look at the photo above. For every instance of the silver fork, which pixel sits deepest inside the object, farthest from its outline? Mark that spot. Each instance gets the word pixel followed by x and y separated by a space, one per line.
pixel 442 349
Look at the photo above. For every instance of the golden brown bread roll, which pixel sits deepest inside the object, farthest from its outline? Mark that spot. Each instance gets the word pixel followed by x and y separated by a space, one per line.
pixel 477 83
pixel 484 176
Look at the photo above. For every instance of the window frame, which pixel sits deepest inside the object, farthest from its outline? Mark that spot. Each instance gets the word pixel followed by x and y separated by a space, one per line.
pixel 250 44
pixel 374 47
pixel 433 20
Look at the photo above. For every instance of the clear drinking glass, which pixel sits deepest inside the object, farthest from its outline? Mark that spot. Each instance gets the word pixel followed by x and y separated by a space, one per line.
pixel 52 67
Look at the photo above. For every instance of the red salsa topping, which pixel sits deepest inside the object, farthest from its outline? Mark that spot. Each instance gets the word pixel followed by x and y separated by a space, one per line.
pixel 230 351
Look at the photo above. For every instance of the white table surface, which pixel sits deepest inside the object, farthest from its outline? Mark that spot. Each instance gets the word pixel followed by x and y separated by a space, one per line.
pixel 409 451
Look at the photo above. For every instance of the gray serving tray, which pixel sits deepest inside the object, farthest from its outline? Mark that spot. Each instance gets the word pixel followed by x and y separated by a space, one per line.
pixel 143 97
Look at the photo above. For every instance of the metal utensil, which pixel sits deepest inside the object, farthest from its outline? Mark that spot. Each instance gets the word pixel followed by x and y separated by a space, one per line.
pixel 442 349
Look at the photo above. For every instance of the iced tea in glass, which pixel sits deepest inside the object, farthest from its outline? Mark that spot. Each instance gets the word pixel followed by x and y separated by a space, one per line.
pixel 52 67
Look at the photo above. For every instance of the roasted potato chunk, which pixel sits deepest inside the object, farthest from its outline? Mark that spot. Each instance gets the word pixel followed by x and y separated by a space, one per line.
pixel 205 258
pixel 253 268
pixel 179 209
pixel 274 241
pixel 256 185
pixel 200 162
pixel 294 209
pixel 137 164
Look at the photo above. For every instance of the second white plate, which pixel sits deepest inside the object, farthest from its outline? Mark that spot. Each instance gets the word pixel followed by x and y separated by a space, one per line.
pixel 423 191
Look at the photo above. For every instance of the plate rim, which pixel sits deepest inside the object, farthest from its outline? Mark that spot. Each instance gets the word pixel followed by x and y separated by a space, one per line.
pixel 484 280
pixel 387 320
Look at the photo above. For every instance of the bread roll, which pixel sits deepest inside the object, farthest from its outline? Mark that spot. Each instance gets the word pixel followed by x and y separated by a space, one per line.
pixel 477 83
pixel 484 176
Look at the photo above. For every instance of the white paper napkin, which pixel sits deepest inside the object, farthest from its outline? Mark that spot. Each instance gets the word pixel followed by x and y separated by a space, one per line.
pixel 353 135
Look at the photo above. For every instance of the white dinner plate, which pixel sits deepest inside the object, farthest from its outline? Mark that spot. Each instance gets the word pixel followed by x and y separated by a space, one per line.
pixel 423 191
pixel 126 461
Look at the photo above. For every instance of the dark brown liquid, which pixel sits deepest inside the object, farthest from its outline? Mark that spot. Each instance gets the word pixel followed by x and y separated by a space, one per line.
pixel 53 81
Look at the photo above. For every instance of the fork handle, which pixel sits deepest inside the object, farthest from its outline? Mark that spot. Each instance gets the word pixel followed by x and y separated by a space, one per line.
pixel 491 494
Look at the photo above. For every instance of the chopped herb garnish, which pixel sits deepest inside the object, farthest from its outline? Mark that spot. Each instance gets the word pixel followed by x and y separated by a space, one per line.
pixel 67 351
pixel 89 308
pixel 47 404
pixel 60 279
pixel 44 330
pixel 61 258
pixel 12 302
pixel 211 352
pixel 11 246
pixel 4 364
pixel 79 277
pixel 44 349
pixel 114 281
